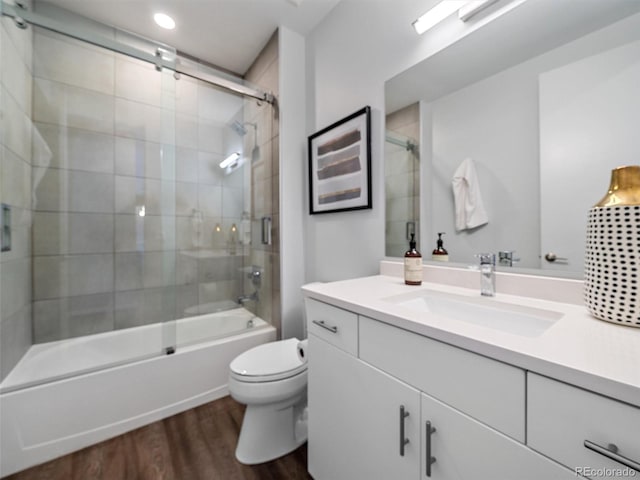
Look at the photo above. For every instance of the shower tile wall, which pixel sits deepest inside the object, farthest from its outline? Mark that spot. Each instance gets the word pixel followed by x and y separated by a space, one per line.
pixel 265 186
pixel 402 181
pixel 126 204
pixel 15 190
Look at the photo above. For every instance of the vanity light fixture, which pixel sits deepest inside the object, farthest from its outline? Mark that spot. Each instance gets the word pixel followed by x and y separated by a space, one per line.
pixel 465 8
pixel 165 21
pixel 230 160
pixel 471 8
pixel 438 13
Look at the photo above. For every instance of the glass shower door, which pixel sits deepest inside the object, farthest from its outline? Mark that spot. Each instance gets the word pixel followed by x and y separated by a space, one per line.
pixel 104 210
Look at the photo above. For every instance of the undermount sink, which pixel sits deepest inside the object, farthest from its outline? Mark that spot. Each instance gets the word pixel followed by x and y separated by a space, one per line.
pixel 486 312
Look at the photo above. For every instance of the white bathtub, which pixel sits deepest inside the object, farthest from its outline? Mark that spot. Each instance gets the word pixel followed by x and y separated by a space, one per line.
pixel 82 403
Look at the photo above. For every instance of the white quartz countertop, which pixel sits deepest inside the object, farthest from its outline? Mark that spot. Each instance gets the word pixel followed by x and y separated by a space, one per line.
pixel 578 349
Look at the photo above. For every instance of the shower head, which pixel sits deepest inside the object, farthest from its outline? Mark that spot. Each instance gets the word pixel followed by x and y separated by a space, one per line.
pixel 238 127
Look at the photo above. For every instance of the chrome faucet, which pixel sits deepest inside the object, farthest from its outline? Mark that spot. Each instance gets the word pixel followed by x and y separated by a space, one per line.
pixel 242 299
pixel 487 274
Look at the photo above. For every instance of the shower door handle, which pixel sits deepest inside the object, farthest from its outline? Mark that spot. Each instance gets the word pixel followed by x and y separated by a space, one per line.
pixel 266 230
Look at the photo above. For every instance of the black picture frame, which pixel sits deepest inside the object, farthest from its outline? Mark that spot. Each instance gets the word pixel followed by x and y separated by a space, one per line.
pixel 340 165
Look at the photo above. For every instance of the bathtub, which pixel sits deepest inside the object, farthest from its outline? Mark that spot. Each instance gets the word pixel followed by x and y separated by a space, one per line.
pixel 60 398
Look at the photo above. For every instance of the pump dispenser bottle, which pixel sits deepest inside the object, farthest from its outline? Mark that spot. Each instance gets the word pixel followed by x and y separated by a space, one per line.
pixel 412 264
pixel 439 253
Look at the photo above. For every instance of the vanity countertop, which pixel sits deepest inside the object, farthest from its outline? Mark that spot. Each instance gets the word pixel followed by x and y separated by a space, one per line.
pixel 578 348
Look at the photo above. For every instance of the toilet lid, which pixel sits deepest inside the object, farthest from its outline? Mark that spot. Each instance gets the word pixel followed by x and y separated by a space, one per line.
pixel 271 361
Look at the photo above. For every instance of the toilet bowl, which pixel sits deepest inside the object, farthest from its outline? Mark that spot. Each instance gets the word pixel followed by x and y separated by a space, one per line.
pixel 271 381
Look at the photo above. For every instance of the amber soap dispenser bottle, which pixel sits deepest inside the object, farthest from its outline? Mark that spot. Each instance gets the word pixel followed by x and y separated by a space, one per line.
pixel 439 253
pixel 412 264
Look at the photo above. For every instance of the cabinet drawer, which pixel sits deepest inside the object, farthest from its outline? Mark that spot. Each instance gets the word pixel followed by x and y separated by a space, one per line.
pixel 335 325
pixel 562 417
pixel 487 390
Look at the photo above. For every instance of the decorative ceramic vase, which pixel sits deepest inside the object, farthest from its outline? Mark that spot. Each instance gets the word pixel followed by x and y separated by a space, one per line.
pixel 612 263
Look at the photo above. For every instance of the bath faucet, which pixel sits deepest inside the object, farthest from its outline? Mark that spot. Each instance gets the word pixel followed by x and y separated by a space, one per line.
pixel 242 299
pixel 487 274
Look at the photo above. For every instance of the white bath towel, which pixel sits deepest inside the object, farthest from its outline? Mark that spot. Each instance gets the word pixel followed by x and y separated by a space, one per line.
pixel 470 212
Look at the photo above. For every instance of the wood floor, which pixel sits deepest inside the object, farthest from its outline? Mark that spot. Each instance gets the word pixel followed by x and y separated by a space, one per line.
pixel 197 444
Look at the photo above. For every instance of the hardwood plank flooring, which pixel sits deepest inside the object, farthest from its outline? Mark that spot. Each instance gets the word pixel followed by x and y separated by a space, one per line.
pixel 193 445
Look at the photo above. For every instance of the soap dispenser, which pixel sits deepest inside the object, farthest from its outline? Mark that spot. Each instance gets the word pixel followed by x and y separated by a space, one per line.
pixel 412 264
pixel 439 253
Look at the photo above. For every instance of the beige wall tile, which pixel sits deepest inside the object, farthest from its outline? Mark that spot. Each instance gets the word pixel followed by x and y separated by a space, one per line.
pixel 210 200
pixel 15 293
pixel 209 171
pixel 76 149
pixel 55 58
pixel 186 131
pixel 15 338
pixel 72 316
pixel 16 180
pixel 145 234
pixel 72 275
pixel 16 79
pixel 138 120
pixel 186 198
pixel 138 81
pixel 15 127
pixel 210 137
pixel 186 164
pixel 71 106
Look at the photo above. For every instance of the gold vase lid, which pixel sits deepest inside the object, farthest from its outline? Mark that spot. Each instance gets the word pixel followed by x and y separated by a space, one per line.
pixel 624 188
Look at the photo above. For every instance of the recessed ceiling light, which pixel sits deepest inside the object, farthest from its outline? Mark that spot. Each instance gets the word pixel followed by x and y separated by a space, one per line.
pixel 165 21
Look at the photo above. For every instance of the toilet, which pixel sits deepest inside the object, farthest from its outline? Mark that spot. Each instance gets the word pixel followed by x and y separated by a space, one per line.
pixel 271 380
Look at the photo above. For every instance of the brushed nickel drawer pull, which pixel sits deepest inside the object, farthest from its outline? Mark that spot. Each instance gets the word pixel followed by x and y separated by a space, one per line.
pixel 331 328
pixel 403 440
pixel 430 460
pixel 611 451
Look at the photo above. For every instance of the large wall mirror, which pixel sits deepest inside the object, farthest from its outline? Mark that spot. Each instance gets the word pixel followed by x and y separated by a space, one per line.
pixel 545 101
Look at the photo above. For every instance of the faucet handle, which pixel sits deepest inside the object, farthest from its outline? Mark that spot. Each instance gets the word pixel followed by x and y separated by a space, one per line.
pixel 506 258
pixel 486 258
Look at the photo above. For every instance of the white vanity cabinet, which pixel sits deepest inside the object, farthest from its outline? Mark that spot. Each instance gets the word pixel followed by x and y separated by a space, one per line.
pixel 360 413
pixel 371 404
pixel 356 422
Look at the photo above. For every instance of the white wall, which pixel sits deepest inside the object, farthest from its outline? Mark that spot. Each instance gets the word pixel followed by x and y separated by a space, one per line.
pixel 292 179
pixel 350 55
pixel 495 123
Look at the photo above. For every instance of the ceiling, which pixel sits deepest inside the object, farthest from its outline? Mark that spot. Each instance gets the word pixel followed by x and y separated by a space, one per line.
pixel 226 33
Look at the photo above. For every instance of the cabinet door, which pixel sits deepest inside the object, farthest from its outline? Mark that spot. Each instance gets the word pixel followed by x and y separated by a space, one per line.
pixel 465 449
pixel 354 419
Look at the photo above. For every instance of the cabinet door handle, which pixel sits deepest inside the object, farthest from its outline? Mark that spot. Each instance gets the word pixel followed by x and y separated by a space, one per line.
pixel 321 323
pixel 430 460
pixel 611 451
pixel 403 440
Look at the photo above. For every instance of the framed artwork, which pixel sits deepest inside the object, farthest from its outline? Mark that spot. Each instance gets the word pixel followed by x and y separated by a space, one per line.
pixel 340 165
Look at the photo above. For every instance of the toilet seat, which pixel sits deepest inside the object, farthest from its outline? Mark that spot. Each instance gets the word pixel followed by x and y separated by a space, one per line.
pixel 268 362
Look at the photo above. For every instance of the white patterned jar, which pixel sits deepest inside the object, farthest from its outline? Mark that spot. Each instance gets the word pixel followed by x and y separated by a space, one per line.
pixel 612 262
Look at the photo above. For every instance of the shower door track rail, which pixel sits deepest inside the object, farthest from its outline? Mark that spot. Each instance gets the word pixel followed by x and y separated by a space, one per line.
pixel 160 59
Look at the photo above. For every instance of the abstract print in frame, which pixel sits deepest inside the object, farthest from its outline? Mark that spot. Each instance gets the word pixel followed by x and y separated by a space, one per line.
pixel 340 165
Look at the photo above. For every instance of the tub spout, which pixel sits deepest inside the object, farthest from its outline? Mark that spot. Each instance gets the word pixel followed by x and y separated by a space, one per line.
pixel 242 299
